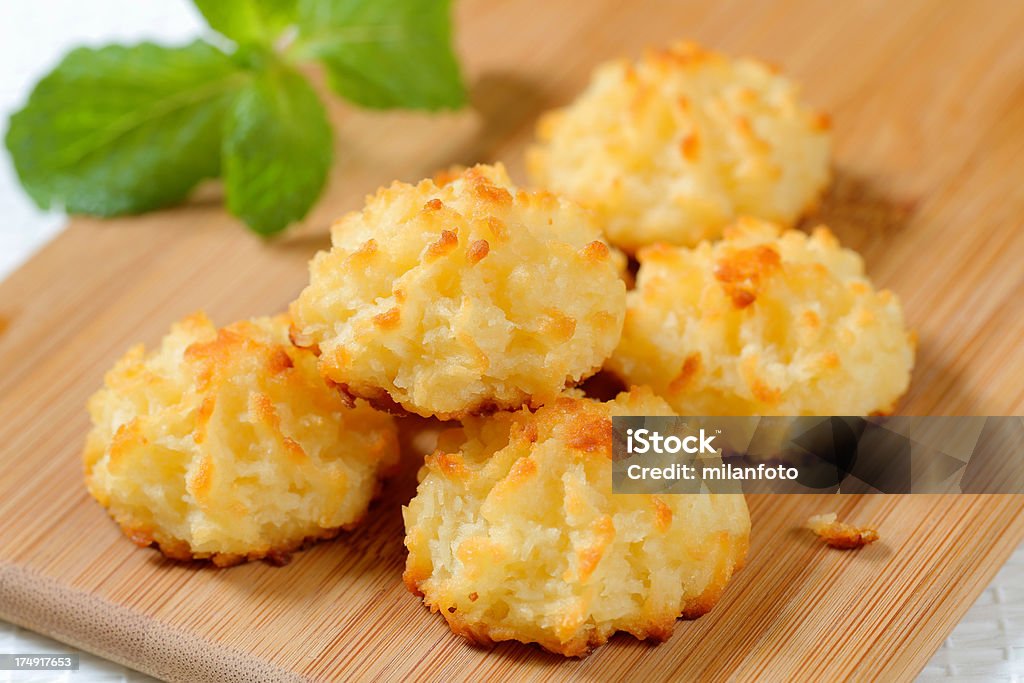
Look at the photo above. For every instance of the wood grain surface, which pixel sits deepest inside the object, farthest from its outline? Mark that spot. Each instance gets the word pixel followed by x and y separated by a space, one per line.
pixel 927 98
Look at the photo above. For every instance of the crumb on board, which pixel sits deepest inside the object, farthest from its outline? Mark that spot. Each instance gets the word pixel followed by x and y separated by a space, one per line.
pixel 839 534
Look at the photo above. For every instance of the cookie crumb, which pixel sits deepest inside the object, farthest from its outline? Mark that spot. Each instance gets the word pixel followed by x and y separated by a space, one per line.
pixel 839 534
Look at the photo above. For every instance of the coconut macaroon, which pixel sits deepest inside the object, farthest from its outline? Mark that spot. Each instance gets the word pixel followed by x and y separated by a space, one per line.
pixel 674 146
pixel 764 322
pixel 514 533
pixel 461 295
pixel 227 445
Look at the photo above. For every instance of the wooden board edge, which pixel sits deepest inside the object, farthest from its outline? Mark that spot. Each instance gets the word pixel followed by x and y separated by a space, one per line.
pixel 916 659
pixel 97 626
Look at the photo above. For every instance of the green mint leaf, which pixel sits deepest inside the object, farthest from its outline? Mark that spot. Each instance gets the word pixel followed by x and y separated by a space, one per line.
pixel 277 150
pixel 123 129
pixel 384 53
pixel 248 21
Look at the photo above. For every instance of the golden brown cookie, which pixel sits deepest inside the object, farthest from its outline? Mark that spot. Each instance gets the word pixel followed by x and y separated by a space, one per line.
pixel 227 444
pixel 674 146
pixel 514 533
pixel 764 322
pixel 462 296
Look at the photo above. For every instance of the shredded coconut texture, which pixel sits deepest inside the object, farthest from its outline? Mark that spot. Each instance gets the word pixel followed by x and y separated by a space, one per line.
pixel 462 295
pixel 764 322
pixel 227 445
pixel 674 146
pixel 514 533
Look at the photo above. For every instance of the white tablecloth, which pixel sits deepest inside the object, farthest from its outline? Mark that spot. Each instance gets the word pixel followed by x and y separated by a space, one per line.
pixel 987 645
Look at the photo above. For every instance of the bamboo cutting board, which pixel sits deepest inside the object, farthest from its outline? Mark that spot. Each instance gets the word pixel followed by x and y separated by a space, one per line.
pixel 927 100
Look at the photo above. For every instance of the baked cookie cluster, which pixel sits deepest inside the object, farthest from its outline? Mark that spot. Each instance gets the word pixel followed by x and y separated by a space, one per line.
pixel 470 299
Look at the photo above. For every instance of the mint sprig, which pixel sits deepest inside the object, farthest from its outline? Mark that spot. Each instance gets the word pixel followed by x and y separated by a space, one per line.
pixel 123 129
pixel 120 130
pixel 406 41
pixel 277 150
pixel 248 21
